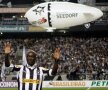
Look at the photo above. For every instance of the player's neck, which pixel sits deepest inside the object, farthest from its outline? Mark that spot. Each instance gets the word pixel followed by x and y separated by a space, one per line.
pixel 32 67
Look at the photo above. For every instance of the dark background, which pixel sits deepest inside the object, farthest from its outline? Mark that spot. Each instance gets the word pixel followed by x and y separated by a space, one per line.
pixel 16 2
pixel 100 1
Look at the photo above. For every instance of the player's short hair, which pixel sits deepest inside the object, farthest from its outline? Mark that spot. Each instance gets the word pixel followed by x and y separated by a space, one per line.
pixel 30 51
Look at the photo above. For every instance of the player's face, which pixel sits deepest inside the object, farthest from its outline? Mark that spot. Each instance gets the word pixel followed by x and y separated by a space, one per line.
pixel 31 57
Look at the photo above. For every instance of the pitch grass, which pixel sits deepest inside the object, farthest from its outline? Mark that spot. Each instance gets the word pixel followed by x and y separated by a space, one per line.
pixel 100 88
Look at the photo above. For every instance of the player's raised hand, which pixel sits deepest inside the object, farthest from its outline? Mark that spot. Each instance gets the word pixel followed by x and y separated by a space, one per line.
pixel 56 54
pixel 7 47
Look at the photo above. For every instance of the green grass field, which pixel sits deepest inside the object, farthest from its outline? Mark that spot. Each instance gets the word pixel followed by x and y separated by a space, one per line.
pixel 100 88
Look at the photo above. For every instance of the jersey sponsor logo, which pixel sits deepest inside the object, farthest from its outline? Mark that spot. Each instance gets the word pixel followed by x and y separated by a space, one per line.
pixel 30 81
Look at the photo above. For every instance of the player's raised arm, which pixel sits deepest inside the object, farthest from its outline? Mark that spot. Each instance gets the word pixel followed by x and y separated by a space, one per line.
pixel 56 57
pixel 7 50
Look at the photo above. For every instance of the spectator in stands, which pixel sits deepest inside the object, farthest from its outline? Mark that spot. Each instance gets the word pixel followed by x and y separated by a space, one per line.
pixel 89 53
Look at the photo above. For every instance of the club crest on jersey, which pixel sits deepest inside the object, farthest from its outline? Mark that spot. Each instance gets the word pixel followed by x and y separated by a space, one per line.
pixel 38 73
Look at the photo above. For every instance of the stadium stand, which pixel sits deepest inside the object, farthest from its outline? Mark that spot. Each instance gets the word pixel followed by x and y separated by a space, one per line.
pixel 81 58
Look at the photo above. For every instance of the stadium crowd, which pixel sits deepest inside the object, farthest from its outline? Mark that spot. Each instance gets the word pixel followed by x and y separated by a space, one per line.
pixel 81 58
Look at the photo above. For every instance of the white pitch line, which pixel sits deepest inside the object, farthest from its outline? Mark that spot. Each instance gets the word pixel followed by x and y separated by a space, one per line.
pixel 88 88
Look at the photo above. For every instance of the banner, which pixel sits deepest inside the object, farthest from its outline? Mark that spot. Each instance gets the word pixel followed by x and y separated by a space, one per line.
pixel 62 84
pixel 13 28
pixel 8 84
pixel 103 83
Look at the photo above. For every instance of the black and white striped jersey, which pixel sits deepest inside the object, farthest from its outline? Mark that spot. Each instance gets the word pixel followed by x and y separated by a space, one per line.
pixel 31 79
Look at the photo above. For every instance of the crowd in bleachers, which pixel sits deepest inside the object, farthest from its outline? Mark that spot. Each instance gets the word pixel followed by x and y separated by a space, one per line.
pixel 81 58
pixel 103 20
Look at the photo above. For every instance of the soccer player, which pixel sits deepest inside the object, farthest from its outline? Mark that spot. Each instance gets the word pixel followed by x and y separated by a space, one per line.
pixel 30 76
